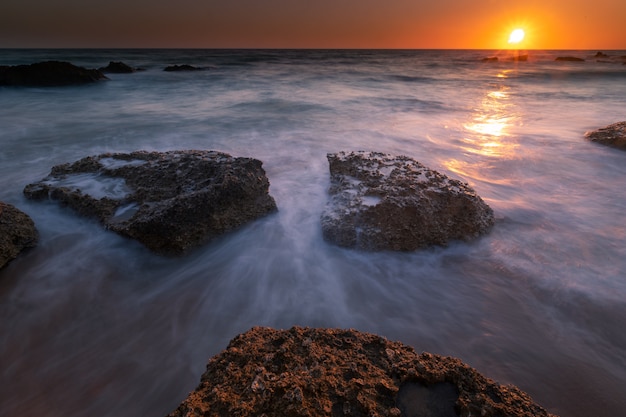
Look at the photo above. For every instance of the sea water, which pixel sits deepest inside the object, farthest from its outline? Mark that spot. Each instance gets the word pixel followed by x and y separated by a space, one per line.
pixel 94 324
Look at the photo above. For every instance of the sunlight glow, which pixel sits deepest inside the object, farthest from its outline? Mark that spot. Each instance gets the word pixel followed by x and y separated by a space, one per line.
pixel 517 36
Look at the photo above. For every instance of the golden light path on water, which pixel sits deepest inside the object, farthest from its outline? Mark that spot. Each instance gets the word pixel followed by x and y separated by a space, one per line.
pixel 488 133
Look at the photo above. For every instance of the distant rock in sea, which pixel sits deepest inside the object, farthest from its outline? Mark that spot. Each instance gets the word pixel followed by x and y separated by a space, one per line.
pixel 519 58
pixel 169 201
pixel 612 135
pixel 184 67
pixel 490 59
pixel 569 58
pixel 17 233
pixel 48 74
pixel 332 372
pixel 117 67
pixel 383 202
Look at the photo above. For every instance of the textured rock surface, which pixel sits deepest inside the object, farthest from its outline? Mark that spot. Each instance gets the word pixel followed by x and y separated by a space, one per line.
pixel 169 201
pixel 17 233
pixel 378 202
pixel 332 372
pixel 613 135
pixel 48 74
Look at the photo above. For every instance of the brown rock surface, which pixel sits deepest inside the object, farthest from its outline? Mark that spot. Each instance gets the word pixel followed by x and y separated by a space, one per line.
pixel 169 201
pixel 17 233
pixel 379 202
pixel 332 372
pixel 612 135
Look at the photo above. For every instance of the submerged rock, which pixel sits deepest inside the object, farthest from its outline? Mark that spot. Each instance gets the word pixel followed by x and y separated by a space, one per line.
pixel 184 67
pixel 490 59
pixel 169 201
pixel 17 233
pixel 379 202
pixel 117 67
pixel 332 372
pixel 569 58
pixel 48 74
pixel 612 135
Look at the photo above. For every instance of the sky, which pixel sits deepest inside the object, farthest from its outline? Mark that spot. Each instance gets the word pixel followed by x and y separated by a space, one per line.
pixel 430 24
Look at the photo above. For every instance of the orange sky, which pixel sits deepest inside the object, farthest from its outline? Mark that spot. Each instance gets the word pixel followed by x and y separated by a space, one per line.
pixel 480 24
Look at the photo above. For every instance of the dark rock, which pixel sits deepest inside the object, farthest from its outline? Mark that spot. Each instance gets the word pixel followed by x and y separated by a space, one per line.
pixel 613 135
pixel 379 202
pixel 185 67
pixel 119 68
pixel 490 59
pixel 48 74
pixel 333 372
pixel 17 233
pixel 169 201
pixel 519 58
pixel 569 58
pixel 600 55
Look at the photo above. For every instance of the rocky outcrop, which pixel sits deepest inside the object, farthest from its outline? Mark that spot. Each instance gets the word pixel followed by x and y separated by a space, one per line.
pixel 490 59
pixel 117 67
pixel 332 372
pixel 379 202
pixel 48 74
pixel 569 58
pixel 17 233
pixel 612 135
pixel 169 201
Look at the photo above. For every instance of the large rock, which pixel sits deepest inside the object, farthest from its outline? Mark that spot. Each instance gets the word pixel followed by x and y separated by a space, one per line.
pixel 17 233
pixel 169 201
pixel 378 202
pixel 118 67
pixel 331 372
pixel 612 135
pixel 48 74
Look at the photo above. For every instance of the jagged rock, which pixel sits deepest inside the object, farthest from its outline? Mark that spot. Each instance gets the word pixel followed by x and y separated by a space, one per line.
pixel 169 201
pixel 379 202
pixel 116 67
pixel 332 372
pixel 612 135
pixel 569 58
pixel 184 67
pixel 48 74
pixel 17 233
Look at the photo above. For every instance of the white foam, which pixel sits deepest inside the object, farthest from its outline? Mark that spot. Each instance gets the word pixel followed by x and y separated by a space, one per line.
pixel 95 185
pixel 113 163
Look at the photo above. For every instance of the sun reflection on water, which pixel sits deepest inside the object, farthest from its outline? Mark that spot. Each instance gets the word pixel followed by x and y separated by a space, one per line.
pixel 489 131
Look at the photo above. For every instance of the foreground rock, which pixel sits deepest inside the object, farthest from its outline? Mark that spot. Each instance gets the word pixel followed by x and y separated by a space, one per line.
pixel 48 74
pixel 613 135
pixel 169 201
pixel 378 202
pixel 332 372
pixel 17 233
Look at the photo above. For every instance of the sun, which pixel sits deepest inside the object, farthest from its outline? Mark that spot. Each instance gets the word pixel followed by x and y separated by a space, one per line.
pixel 517 36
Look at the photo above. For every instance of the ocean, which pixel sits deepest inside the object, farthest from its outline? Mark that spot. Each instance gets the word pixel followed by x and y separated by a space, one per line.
pixel 93 324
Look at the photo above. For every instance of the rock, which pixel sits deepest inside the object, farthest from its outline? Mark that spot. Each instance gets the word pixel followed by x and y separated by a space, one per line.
pixel 48 74
pixel 613 135
pixel 490 59
pixel 119 68
pixel 170 201
pixel 185 67
pixel 569 58
pixel 380 202
pixel 332 372
pixel 523 57
pixel 17 233
pixel 600 55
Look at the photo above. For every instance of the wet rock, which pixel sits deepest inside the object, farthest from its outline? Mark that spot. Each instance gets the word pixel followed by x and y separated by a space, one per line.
pixel 48 74
pixel 332 372
pixel 184 67
pixel 380 202
pixel 169 201
pixel 17 233
pixel 116 67
pixel 612 135
pixel 569 58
